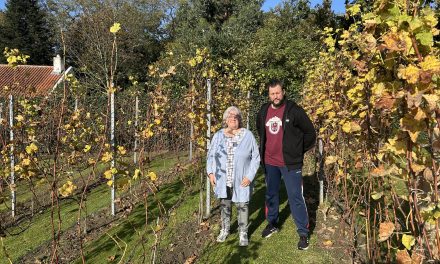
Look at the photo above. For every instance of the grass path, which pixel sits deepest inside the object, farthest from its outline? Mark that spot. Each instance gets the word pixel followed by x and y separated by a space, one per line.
pixel 30 235
pixel 279 248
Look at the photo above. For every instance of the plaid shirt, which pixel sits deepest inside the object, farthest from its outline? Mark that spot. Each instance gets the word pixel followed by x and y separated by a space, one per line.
pixel 231 145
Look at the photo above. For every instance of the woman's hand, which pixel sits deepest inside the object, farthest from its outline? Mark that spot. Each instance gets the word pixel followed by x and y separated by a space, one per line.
pixel 245 182
pixel 212 179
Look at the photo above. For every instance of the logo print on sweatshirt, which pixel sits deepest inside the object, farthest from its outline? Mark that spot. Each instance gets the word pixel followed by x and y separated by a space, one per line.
pixel 274 124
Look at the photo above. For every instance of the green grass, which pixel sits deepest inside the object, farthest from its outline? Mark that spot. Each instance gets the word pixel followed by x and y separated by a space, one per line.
pixel 279 248
pixel 31 235
pixel 161 162
pixel 131 239
pixel 129 231
pixel 24 195
pixel 39 230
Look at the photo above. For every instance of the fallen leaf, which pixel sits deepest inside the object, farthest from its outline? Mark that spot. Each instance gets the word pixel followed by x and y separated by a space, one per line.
pixel 191 259
pixel 386 229
pixel 328 243
pixel 403 257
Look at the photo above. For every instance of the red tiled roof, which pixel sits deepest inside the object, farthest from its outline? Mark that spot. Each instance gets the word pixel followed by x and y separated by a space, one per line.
pixel 27 80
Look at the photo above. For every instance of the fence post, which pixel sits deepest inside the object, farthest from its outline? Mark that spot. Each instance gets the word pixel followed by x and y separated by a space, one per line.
pixel 249 108
pixel 112 144
pixel 136 136
pixel 208 135
pixel 11 139
pixel 191 135
pixel 321 170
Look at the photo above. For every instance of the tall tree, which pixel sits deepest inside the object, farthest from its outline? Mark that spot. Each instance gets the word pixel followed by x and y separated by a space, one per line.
pixel 89 42
pixel 26 27
pixel 224 27
pixel 287 38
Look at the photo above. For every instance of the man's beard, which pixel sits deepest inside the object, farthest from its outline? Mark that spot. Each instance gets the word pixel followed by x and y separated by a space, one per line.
pixel 279 104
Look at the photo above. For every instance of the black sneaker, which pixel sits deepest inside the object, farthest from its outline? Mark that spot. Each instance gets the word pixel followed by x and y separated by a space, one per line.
pixel 303 243
pixel 269 230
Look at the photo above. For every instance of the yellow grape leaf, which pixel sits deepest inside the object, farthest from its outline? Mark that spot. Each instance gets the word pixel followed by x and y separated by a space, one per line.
pixel 87 148
pixel 330 160
pixel 333 136
pixel 420 114
pixel 107 156
pixel 354 9
pixel 376 195
pixel 417 168
pixel 67 189
pixel 110 183
pixel 32 148
pixel 108 174
pixel 137 172
pixel 157 121
pixel 414 135
pixel 115 28
pixel 201 141
pixel 355 127
pixel 331 114
pixel 147 133
pixel 408 241
pixel 412 126
pixel 410 74
pixel 432 100
pixel 152 176
pixel 192 62
pixel 396 146
pixel 346 127
pixel 122 150
pixel 192 115
pixel 26 162
pixel 199 58
pixel 386 229
pixel 430 63
pixel 19 118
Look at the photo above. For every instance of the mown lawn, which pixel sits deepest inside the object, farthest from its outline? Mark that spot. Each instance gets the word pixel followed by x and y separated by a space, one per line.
pixel 32 233
pixel 279 248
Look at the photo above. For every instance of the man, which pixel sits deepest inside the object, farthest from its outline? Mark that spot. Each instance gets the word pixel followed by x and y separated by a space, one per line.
pixel 286 133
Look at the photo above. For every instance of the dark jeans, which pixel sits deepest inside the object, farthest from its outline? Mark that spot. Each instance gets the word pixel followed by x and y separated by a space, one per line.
pixel 294 186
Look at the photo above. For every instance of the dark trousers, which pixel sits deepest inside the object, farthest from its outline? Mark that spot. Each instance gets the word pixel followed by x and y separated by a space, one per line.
pixel 294 186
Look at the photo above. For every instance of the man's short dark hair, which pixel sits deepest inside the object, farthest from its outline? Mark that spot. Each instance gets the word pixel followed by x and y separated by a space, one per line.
pixel 273 83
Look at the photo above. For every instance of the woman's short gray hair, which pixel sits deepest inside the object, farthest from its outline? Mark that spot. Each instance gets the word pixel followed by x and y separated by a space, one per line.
pixel 236 111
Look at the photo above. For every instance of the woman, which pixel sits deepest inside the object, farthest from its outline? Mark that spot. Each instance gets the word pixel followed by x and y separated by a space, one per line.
pixel 232 162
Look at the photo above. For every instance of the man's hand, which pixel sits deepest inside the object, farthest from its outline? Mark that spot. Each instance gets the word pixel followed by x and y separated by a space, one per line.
pixel 245 182
pixel 212 179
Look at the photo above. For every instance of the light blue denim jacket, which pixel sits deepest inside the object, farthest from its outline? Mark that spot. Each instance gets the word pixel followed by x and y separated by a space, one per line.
pixel 246 163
